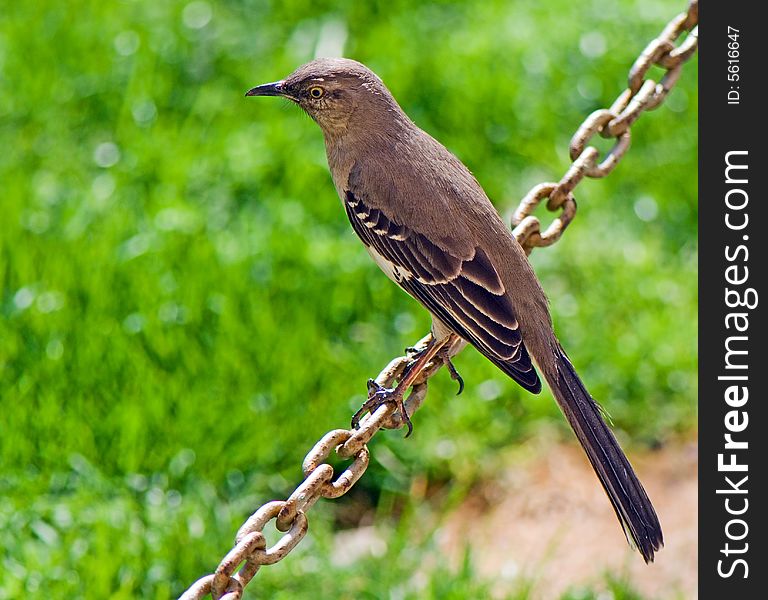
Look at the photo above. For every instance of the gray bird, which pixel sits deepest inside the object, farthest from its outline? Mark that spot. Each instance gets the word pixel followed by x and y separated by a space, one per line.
pixel 430 227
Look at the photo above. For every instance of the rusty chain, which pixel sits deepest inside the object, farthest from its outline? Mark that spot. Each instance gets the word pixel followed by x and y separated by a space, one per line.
pixel 641 94
pixel 250 552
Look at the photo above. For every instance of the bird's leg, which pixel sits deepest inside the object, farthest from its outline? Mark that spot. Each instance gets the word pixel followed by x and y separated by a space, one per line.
pixel 378 394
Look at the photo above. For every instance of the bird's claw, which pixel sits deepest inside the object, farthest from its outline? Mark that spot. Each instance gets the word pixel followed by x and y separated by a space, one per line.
pixel 413 352
pixel 378 395
pixel 455 375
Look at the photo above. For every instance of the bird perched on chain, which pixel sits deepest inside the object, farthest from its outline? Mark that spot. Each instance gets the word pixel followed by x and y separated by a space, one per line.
pixel 430 227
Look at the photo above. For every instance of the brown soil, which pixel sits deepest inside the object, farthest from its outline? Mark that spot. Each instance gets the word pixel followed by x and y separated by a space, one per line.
pixel 547 520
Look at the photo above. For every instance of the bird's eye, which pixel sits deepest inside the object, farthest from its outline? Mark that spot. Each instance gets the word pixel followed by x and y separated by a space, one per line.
pixel 316 91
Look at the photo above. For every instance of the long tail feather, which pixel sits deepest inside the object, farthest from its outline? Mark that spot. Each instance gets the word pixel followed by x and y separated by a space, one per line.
pixel 632 505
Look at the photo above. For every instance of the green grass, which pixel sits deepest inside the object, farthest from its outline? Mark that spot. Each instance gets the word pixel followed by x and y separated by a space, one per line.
pixel 184 309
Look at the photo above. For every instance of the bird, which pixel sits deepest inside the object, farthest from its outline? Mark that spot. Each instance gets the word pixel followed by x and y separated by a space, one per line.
pixel 428 224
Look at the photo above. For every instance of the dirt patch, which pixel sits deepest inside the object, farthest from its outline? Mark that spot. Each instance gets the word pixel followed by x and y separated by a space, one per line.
pixel 547 520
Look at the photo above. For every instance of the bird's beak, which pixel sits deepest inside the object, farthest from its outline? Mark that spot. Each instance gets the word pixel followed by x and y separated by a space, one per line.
pixel 268 89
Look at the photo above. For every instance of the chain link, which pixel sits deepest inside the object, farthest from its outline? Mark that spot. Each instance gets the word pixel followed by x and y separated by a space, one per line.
pixel 250 552
pixel 641 95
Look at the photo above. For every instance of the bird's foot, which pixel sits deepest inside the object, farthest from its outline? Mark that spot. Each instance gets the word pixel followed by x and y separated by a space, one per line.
pixel 455 375
pixel 413 352
pixel 378 395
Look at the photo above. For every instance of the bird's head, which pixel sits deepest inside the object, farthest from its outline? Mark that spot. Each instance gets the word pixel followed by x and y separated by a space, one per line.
pixel 332 91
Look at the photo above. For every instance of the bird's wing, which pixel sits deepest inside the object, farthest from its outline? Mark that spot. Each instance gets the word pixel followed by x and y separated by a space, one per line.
pixel 464 292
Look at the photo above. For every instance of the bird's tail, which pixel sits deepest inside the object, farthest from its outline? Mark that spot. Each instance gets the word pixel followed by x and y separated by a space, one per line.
pixel 626 493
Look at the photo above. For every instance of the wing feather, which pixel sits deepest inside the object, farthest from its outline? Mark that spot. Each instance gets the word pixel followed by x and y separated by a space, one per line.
pixel 465 294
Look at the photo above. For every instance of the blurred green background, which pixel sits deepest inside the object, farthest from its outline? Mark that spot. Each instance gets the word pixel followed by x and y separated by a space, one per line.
pixel 185 309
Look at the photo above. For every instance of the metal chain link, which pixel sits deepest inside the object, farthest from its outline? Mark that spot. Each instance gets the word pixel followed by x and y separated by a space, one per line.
pixel 641 95
pixel 250 552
